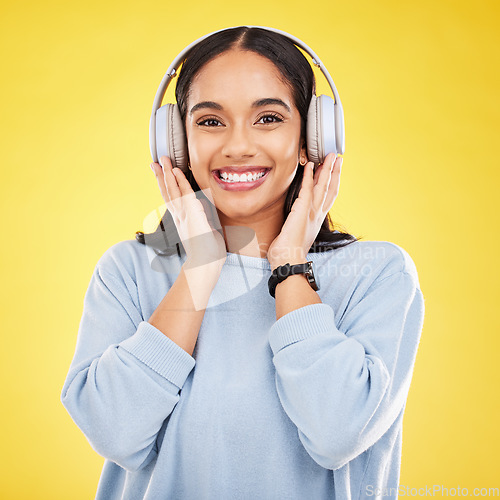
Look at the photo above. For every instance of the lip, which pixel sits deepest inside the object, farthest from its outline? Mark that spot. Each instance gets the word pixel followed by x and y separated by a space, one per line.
pixel 240 186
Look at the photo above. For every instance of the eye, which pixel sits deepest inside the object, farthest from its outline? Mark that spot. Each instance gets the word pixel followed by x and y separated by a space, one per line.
pixel 209 122
pixel 270 118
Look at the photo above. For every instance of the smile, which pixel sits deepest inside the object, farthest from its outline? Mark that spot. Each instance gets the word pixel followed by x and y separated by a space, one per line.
pixel 243 181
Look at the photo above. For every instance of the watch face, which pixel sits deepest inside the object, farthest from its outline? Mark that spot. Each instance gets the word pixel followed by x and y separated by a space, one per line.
pixel 313 281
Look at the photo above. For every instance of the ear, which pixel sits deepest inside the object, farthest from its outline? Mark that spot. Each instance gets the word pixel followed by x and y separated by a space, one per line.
pixel 303 150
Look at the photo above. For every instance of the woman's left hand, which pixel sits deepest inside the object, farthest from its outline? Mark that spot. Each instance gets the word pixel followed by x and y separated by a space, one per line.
pixel 318 192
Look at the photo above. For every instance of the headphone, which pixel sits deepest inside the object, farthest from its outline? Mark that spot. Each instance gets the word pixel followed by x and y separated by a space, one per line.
pixel 325 117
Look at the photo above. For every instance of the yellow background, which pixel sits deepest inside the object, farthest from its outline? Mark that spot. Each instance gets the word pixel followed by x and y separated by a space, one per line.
pixel 419 82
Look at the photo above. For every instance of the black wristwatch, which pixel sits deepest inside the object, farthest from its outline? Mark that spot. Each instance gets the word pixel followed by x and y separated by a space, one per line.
pixel 281 273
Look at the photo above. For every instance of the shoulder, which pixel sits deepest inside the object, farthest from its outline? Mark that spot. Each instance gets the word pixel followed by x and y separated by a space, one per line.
pixel 373 260
pixel 130 259
pixel 390 257
pixel 124 258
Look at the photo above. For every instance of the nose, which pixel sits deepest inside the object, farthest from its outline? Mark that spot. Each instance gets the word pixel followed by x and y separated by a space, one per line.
pixel 238 143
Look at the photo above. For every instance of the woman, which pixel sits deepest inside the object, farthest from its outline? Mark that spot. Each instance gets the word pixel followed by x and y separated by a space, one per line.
pixel 195 382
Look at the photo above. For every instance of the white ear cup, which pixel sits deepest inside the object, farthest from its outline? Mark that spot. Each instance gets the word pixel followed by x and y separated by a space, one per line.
pixel 321 128
pixel 170 136
pixel 339 128
pixel 312 132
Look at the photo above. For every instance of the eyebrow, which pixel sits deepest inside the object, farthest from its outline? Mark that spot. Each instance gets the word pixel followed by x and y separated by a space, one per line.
pixel 256 104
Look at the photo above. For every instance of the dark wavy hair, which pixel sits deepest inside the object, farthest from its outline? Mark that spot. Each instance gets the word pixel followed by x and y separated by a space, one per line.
pixel 297 74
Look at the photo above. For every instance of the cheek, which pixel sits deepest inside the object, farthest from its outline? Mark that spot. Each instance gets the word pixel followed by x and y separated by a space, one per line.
pixel 291 177
pixel 200 148
pixel 285 145
pixel 291 151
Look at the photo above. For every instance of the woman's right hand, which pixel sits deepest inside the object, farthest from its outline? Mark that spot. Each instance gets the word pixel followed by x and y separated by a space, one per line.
pixel 194 219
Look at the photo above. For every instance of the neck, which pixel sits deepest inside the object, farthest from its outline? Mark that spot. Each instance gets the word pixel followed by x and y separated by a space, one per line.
pixel 251 237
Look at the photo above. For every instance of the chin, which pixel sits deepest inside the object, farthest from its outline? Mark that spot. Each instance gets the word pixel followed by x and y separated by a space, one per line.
pixel 239 214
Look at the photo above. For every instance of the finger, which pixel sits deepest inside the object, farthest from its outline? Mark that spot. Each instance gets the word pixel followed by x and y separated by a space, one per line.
pixel 323 182
pixel 306 188
pixel 185 189
pixel 323 166
pixel 169 179
pixel 333 189
pixel 157 170
pixel 317 172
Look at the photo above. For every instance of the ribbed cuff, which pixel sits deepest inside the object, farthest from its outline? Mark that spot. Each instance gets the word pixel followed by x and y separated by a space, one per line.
pixel 300 324
pixel 160 353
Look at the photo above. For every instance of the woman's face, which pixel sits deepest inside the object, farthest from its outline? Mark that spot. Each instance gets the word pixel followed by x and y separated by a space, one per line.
pixel 241 120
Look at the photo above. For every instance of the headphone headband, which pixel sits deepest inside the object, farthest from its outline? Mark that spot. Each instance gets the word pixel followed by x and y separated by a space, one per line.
pixel 174 66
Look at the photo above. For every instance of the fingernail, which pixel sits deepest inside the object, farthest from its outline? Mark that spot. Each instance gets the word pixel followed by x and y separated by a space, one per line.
pixel 152 167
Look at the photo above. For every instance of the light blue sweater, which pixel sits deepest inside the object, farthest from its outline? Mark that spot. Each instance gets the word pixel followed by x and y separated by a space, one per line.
pixel 309 406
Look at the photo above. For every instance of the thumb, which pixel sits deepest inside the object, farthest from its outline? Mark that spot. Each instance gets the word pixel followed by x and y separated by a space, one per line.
pixel 211 213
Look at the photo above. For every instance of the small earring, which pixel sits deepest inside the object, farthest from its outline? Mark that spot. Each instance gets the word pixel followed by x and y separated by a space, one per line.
pixel 303 161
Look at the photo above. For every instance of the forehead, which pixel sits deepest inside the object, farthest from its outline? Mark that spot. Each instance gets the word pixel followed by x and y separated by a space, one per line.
pixel 239 75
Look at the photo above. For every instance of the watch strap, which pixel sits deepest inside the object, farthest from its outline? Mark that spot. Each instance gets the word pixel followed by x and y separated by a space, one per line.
pixel 281 273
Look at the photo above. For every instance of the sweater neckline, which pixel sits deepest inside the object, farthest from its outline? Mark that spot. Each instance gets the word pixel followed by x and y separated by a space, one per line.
pixel 235 259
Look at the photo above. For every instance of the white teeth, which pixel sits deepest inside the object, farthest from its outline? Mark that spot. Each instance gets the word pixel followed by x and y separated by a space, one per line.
pixel 240 178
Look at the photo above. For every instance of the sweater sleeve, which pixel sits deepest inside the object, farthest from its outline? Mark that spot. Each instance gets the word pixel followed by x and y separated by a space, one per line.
pixel 125 377
pixel 344 387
